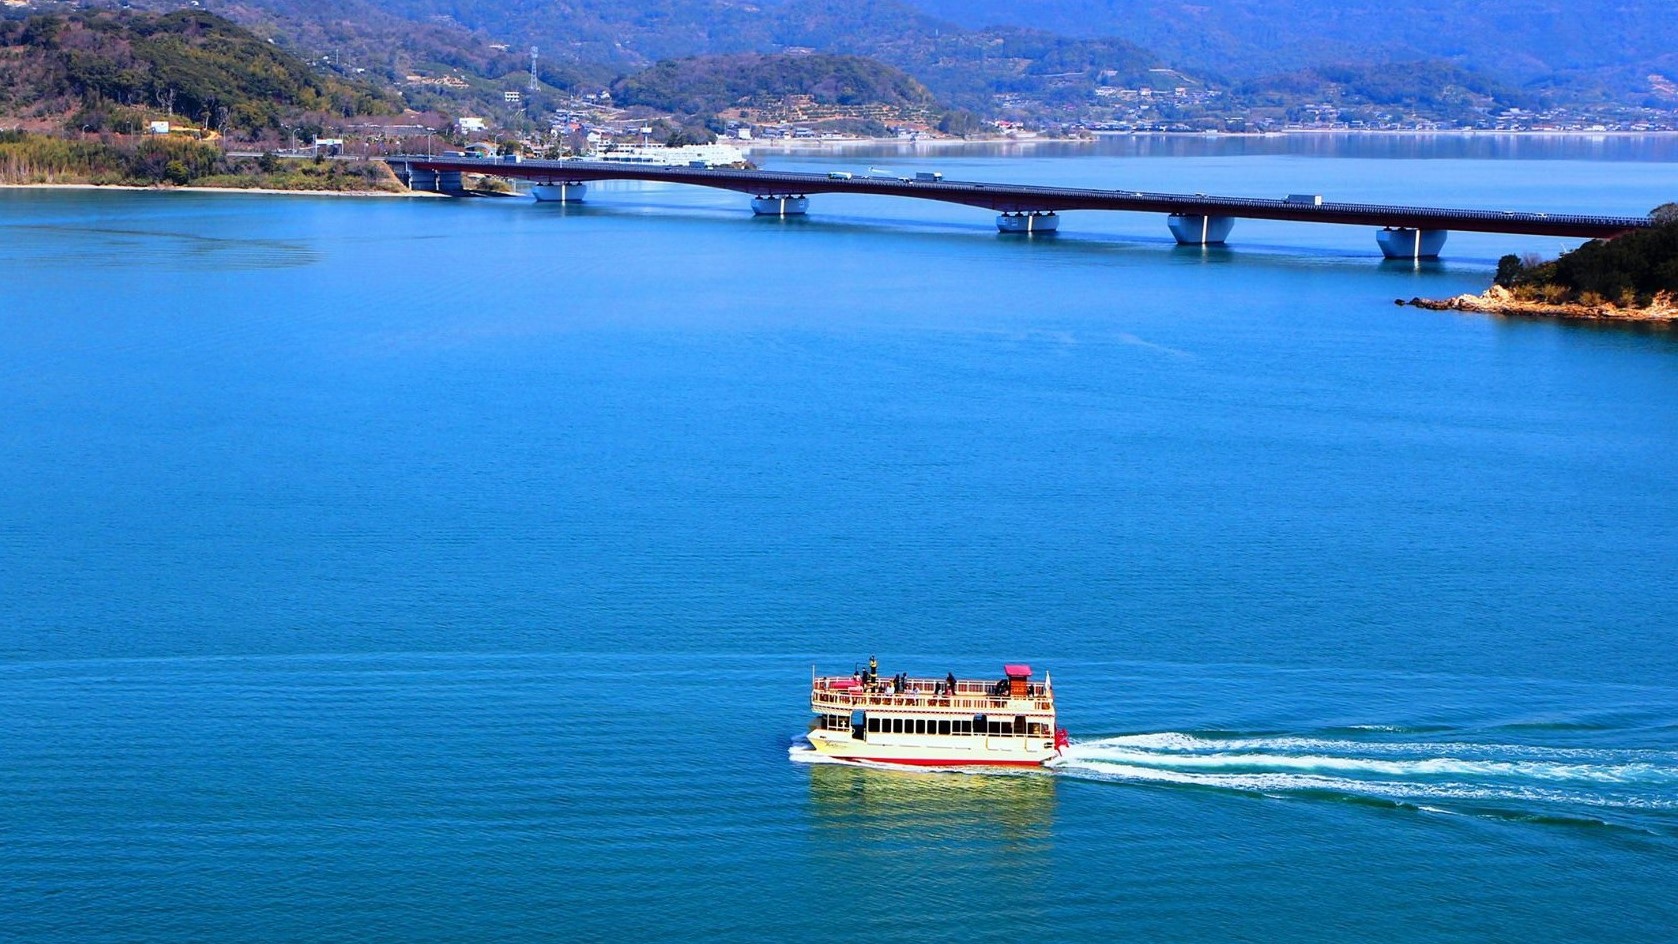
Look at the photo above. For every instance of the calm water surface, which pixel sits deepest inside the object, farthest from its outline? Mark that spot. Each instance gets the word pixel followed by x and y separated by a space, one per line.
pixel 423 570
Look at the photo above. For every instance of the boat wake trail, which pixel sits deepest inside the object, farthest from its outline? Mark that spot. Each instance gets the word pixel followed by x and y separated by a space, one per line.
pixel 1565 784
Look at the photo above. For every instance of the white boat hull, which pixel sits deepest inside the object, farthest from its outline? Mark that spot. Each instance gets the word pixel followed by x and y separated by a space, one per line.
pixel 918 751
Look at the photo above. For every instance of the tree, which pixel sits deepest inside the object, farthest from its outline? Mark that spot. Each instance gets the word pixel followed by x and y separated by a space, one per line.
pixel 1665 213
pixel 959 122
pixel 1509 270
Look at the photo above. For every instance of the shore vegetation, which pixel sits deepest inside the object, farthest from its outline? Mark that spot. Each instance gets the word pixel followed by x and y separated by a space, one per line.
pixel 1630 278
pixel 1628 271
pixel 165 161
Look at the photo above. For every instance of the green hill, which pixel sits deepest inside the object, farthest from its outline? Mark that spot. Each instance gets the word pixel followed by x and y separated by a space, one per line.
pixel 578 38
pixel 110 70
pixel 1436 87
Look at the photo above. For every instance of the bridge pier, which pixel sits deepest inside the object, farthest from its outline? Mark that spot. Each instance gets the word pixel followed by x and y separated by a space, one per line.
pixel 451 181
pixel 565 191
pixel 1399 242
pixel 420 179
pixel 1028 222
pixel 780 204
pixel 1194 230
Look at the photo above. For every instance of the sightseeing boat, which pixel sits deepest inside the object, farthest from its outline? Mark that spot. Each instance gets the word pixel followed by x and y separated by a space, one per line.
pixel 930 722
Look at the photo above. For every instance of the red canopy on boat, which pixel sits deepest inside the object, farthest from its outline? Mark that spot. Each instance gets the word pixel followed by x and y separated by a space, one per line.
pixel 1017 670
pixel 844 683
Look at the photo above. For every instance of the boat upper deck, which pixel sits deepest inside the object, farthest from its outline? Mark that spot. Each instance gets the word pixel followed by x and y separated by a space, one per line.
pixel 846 693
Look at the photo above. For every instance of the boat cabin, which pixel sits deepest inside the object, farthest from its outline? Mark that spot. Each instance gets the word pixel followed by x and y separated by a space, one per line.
pixel 1019 679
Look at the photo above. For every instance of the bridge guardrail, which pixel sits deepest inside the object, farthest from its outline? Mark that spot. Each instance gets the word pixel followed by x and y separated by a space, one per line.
pixel 1029 197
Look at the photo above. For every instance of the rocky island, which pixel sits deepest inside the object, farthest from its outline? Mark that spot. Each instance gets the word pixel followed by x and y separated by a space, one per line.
pixel 1630 278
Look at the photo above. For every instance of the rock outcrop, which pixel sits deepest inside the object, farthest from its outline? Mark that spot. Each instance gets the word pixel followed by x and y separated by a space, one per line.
pixel 1500 301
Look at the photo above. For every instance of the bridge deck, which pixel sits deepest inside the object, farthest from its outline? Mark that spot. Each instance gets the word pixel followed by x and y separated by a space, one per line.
pixel 1022 198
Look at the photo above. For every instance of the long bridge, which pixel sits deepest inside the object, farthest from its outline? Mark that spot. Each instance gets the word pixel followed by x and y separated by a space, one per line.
pixel 1404 232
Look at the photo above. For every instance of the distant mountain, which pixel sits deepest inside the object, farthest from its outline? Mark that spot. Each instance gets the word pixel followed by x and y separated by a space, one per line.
pixel 579 40
pixel 709 84
pixel 1048 61
pixel 1520 41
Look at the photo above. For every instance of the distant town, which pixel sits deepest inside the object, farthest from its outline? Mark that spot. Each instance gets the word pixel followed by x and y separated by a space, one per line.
pixel 589 123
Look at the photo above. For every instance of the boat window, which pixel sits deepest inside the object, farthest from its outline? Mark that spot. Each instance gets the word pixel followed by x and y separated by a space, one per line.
pixel 920 725
pixel 897 725
pixel 874 725
pixel 943 727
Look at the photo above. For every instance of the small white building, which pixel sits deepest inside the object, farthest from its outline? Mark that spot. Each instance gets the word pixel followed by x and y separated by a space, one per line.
pixel 471 124
pixel 158 127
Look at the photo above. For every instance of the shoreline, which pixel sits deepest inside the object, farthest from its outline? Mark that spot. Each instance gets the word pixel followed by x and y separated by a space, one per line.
pixel 267 191
pixel 1502 303
pixel 819 144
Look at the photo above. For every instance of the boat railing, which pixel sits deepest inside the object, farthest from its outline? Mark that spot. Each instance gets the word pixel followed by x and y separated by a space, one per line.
pixel 969 695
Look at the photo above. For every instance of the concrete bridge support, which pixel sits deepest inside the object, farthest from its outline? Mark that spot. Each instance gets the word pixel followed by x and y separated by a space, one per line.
pixel 1028 222
pixel 420 179
pixel 564 191
pixel 1192 230
pixel 1399 242
pixel 780 204
pixel 451 181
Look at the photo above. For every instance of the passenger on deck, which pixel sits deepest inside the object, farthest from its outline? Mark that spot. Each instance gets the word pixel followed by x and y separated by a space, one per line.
pixel 950 683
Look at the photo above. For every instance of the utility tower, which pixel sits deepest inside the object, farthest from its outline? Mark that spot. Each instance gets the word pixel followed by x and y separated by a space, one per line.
pixel 533 84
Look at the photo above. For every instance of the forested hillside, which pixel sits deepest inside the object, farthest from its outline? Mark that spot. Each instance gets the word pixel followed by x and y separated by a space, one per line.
pixel 111 70
pixel 590 41
pixel 1577 44
pixel 1239 64
pixel 710 84
pixel 1435 87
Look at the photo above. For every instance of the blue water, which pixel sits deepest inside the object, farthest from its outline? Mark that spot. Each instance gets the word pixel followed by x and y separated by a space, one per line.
pixel 424 570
